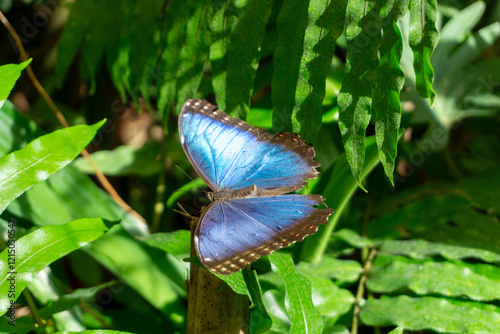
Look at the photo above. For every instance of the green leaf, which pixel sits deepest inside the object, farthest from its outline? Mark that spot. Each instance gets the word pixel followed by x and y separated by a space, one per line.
pixel 304 317
pixel 291 25
pixel 467 228
pixel 454 32
pixel 388 80
pixel 144 45
pixel 176 242
pixel 94 42
pixel 337 186
pixel 331 301
pixel 422 249
pixel 243 55
pixel 72 36
pixel 444 278
pixel 175 31
pixel 417 216
pixel 8 77
pixel 355 97
pixel 23 325
pixel 352 238
pixel 223 21
pixel 118 47
pixel 252 283
pixel 275 303
pixel 194 53
pixel 41 158
pixel 325 24
pixel 95 331
pixel 423 39
pixel 33 252
pixel 123 160
pixel 397 330
pixel 69 300
pixel 330 267
pixel 431 313
pixel 115 251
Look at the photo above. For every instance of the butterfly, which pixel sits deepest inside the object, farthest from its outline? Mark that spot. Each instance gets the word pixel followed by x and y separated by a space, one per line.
pixel 249 173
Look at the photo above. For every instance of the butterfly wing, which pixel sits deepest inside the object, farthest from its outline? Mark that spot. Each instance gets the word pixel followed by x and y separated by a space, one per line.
pixel 231 234
pixel 230 154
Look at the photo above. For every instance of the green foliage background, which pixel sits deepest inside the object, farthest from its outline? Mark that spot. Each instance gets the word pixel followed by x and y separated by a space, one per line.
pixel 411 84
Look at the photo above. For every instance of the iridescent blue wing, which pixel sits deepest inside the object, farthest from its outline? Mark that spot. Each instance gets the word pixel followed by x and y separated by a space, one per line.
pixel 230 154
pixel 233 233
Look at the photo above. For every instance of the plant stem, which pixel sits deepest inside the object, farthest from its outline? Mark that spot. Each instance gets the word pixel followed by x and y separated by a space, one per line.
pixel 361 290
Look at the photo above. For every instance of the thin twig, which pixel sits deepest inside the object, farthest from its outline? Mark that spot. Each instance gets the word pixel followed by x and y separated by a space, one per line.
pixel 100 176
pixel 361 290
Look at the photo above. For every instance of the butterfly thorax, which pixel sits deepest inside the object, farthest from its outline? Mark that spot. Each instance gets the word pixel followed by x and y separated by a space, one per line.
pixel 225 195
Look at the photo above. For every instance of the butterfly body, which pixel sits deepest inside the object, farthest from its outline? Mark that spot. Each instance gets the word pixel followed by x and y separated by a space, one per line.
pixel 248 172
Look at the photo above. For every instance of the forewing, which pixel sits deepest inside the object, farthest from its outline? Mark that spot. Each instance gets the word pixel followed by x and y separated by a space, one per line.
pixel 230 154
pixel 231 234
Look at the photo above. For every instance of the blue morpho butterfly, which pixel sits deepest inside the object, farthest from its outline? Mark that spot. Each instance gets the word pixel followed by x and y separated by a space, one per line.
pixel 248 172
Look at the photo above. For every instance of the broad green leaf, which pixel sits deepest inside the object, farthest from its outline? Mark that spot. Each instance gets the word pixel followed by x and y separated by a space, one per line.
pixel 144 274
pixel 423 39
pixel 355 97
pixel 422 249
pixel 467 228
pixel 176 243
pixel 41 158
pixel 352 238
pixel 484 190
pixel 331 301
pixel 123 160
pixel 416 216
pixel 337 186
pixel 8 77
pixel 291 25
pixel 431 313
pixel 444 278
pixel 325 24
pixel 236 282
pixel 388 80
pixel 330 267
pixel 304 317
pixel 33 252
pixel 275 303
pixel 243 55
pixel 194 53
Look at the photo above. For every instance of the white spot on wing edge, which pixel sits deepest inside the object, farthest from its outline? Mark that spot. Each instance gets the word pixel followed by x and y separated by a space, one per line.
pixel 182 139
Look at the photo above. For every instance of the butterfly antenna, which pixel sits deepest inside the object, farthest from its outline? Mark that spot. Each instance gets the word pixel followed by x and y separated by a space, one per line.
pixel 206 192
pixel 184 212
